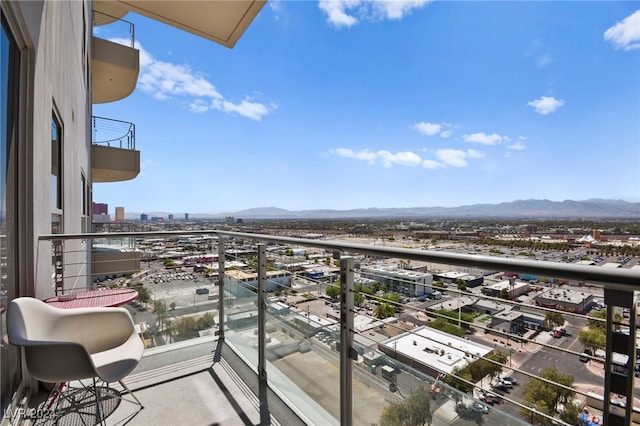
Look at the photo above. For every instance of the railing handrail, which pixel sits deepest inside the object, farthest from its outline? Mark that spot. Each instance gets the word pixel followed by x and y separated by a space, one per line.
pixel 609 278
pixel 100 18
pixel 128 128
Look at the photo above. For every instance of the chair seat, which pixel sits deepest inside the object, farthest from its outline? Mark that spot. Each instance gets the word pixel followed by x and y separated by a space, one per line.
pixel 114 364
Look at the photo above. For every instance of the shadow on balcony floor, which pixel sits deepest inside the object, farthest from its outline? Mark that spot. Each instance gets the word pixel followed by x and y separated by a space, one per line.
pixel 212 389
pixel 180 385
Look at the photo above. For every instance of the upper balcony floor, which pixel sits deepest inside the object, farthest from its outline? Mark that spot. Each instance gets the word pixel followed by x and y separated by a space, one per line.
pixel 115 62
pixel 114 157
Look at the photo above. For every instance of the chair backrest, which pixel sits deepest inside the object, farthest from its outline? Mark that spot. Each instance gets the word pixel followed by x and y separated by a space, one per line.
pixel 58 342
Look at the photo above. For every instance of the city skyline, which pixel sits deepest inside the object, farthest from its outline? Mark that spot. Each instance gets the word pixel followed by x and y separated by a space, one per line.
pixel 401 104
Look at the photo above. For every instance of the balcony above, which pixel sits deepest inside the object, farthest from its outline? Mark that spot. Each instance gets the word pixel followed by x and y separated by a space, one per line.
pixel 221 21
pixel 114 70
pixel 113 154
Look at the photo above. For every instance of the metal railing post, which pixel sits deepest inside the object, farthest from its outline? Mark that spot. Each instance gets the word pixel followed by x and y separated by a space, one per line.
pixel 347 353
pixel 220 287
pixel 616 379
pixel 262 312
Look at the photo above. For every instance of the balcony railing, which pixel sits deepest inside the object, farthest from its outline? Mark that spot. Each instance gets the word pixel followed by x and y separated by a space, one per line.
pixel 113 133
pixel 344 333
pixel 112 28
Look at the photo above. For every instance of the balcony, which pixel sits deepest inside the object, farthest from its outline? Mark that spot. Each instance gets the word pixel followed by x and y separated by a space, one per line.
pixel 115 63
pixel 274 338
pixel 113 154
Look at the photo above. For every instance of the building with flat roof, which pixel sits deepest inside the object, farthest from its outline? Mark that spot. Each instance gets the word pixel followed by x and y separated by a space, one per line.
pixel 119 214
pixel 431 351
pixel 564 299
pixel 452 277
pixel 276 280
pixel 514 288
pixel 399 280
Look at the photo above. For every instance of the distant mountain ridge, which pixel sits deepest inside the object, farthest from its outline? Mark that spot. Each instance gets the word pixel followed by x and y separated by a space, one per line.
pixel 519 209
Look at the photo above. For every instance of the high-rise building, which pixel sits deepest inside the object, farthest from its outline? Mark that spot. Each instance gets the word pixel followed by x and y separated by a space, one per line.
pixel 186 216
pixel 144 217
pixel 100 208
pixel 119 214
pixel 170 217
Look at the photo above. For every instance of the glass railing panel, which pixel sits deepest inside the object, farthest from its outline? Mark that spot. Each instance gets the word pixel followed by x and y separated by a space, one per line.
pixel 241 318
pixel 111 28
pixel 302 361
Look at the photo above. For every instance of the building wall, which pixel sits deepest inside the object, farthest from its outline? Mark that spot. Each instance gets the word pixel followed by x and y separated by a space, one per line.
pixel 56 74
pixel 53 74
pixel 120 214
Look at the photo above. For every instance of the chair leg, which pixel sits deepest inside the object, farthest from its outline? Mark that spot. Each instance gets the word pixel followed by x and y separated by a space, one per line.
pixel 131 393
pixel 99 415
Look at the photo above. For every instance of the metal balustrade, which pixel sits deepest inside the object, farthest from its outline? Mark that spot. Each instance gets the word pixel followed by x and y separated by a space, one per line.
pixel 309 349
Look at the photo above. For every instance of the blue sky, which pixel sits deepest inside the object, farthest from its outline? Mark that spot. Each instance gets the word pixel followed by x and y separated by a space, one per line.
pixel 357 104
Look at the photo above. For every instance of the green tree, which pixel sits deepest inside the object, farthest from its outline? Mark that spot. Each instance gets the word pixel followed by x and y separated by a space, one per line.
pixel 333 291
pixel 384 310
pixel 144 294
pixel 462 285
pixel 160 308
pixel 570 413
pixel 444 325
pixel 545 397
pixel 414 411
pixel 504 293
pixel 553 319
pixel 594 338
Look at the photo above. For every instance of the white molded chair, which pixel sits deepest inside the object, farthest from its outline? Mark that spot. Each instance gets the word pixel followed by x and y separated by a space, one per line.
pixel 61 345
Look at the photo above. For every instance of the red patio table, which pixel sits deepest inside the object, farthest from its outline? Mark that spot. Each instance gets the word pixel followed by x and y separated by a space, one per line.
pixel 94 298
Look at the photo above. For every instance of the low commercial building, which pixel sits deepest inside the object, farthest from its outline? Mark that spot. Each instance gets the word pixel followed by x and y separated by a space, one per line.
pixel 404 281
pixel 276 280
pixel 431 351
pixel 452 277
pixel 513 288
pixel 566 300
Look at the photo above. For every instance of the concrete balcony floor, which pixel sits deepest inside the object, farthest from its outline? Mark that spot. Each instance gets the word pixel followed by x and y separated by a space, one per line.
pixel 194 383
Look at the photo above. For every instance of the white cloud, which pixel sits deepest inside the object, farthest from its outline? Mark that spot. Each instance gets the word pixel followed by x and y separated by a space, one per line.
pixel 625 34
pixel 518 146
pixel 428 129
pixel 397 9
pixel 484 139
pixel 472 153
pixel 336 11
pixel 364 155
pixel 447 157
pixel 431 164
pixel 342 13
pixel 406 158
pixel 165 80
pixel 388 159
pixel 546 104
pixel 431 129
pixel 453 157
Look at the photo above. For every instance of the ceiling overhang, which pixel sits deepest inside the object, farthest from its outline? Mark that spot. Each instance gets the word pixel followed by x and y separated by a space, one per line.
pixel 222 21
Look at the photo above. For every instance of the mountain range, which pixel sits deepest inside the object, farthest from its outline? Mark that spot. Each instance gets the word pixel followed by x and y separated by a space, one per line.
pixel 525 209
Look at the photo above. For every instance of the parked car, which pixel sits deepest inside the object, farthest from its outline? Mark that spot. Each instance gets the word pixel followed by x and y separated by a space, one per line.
pixel 476 406
pixel 505 383
pixel 583 357
pixel 510 379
